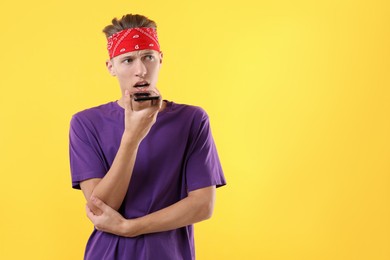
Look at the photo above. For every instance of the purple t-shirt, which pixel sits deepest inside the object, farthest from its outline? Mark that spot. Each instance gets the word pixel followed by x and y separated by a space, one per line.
pixel 177 156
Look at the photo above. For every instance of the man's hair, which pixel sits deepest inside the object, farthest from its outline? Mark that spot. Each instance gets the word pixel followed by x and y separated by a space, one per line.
pixel 128 21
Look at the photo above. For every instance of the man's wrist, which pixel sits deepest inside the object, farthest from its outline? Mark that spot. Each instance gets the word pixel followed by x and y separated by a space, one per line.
pixel 129 139
pixel 132 227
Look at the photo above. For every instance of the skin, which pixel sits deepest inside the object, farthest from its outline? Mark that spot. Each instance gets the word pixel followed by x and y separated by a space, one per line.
pixel 196 207
pixel 105 196
pixel 133 67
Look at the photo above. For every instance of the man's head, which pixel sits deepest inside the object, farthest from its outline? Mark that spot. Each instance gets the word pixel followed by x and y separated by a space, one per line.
pixel 135 56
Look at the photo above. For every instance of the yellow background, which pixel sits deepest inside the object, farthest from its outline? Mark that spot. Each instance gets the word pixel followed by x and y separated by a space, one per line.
pixel 299 100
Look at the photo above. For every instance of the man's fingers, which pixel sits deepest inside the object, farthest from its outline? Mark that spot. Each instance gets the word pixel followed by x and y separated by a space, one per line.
pixel 92 217
pixel 89 212
pixel 127 100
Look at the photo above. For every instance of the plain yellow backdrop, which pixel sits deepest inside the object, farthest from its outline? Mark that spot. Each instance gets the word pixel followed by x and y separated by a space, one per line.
pixel 299 100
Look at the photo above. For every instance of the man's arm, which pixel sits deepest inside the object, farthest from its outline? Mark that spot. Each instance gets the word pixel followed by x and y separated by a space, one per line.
pixel 197 206
pixel 113 187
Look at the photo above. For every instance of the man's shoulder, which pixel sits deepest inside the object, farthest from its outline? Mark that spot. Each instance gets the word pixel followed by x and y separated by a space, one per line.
pixel 93 114
pixel 94 111
pixel 189 110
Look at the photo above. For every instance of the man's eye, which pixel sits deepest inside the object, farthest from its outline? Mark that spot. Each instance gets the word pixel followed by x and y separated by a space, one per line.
pixel 149 57
pixel 127 60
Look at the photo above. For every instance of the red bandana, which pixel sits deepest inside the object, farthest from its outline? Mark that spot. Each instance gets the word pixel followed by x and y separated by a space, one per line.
pixel 133 39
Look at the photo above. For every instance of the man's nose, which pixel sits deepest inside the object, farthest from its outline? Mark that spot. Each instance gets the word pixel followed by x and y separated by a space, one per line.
pixel 140 69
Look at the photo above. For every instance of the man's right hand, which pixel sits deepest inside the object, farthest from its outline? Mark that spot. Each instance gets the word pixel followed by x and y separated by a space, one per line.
pixel 139 117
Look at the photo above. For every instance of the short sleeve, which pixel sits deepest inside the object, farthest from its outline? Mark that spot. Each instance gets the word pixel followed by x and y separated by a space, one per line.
pixel 203 167
pixel 86 159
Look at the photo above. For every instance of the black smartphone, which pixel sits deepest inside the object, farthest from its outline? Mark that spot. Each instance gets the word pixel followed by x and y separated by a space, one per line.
pixel 144 96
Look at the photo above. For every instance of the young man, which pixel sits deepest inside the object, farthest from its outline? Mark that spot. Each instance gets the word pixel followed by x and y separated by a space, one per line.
pixel 148 169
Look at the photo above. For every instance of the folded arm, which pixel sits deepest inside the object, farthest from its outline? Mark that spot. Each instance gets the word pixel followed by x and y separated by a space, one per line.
pixel 196 207
pixel 113 187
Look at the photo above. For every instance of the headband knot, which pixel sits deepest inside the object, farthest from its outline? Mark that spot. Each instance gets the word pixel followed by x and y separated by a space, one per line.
pixel 133 39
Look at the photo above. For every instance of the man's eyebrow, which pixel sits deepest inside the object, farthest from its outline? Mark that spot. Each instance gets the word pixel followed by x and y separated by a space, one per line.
pixel 143 52
pixel 128 56
pixel 147 52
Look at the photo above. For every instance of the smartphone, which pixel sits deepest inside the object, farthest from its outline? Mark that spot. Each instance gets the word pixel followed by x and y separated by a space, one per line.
pixel 144 96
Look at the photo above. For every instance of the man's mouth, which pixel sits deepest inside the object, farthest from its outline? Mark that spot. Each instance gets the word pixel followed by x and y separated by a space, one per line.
pixel 142 84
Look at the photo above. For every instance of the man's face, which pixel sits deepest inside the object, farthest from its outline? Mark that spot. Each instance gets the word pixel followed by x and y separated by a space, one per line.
pixel 137 70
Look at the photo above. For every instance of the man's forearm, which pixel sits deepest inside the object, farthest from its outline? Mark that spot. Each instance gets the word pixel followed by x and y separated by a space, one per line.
pixel 196 207
pixel 113 187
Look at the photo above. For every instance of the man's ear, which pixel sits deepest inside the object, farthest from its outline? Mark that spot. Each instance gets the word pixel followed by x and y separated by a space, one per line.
pixel 161 56
pixel 110 68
